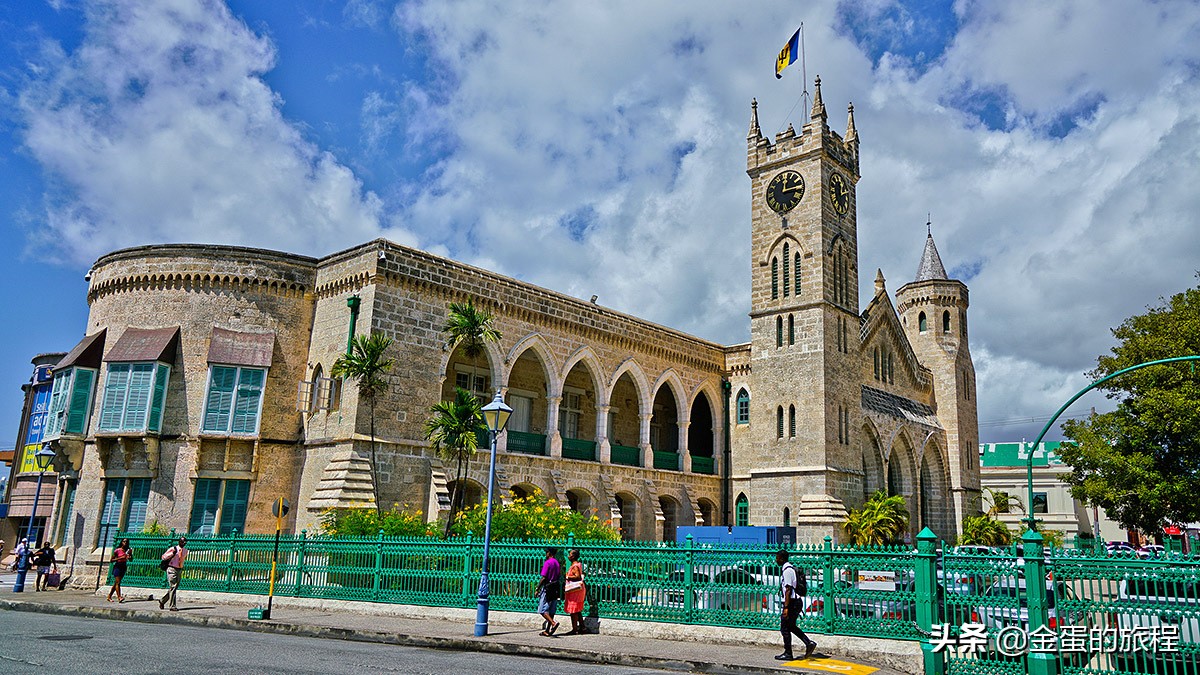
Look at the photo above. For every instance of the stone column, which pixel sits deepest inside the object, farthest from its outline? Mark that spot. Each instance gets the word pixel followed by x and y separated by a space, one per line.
pixel 644 441
pixel 552 434
pixel 685 462
pixel 603 446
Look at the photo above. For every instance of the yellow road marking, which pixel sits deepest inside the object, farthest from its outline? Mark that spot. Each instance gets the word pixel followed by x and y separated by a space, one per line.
pixel 833 666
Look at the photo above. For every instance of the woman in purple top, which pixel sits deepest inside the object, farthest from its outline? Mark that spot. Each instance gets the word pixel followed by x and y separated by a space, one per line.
pixel 548 591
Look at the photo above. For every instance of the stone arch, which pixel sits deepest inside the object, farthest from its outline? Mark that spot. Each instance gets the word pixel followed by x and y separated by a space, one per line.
pixel 671 379
pixel 668 408
pixel 902 468
pixel 936 510
pixel 671 510
pixel 537 343
pixel 474 492
pixel 588 358
pixel 491 367
pixel 524 489
pixel 581 393
pixel 873 464
pixel 704 424
pixel 628 507
pixel 708 512
pixel 776 247
pixel 630 367
pixel 581 500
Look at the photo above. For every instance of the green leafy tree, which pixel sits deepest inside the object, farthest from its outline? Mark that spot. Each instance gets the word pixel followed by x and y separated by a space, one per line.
pixel 452 429
pixel 1141 462
pixel 881 520
pixel 1000 501
pixel 535 517
pixel 366 363
pixel 984 530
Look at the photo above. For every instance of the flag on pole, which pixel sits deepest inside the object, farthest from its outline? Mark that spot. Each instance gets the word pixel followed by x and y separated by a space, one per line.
pixel 787 55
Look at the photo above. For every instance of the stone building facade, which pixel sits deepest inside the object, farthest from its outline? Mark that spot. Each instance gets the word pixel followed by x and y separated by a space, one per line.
pixel 201 391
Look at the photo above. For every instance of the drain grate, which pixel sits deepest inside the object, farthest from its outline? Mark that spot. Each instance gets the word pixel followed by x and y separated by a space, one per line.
pixel 64 638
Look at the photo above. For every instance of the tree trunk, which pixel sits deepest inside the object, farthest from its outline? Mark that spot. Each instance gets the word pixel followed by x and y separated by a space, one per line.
pixel 374 462
pixel 455 497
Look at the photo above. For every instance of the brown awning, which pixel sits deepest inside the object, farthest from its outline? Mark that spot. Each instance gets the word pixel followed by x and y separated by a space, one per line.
pixel 20 502
pixel 87 353
pixel 241 349
pixel 145 344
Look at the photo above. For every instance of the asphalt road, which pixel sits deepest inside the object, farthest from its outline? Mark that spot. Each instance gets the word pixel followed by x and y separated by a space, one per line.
pixel 40 643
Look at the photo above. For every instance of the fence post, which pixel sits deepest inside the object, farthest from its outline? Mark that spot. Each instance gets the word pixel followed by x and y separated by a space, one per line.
pixel 828 608
pixel 300 563
pixel 1037 663
pixel 689 579
pixel 229 561
pixel 377 581
pixel 927 600
pixel 468 592
pixel 1173 544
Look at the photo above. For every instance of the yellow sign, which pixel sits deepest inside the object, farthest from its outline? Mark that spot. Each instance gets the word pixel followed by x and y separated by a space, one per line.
pixel 28 462
pixel 833 666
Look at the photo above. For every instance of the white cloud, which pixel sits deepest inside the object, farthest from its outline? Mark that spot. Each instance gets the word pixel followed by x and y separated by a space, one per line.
pixel 159 128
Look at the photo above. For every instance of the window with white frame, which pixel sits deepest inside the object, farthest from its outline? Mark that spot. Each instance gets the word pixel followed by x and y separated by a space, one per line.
pixel 233 403
pixel 134 394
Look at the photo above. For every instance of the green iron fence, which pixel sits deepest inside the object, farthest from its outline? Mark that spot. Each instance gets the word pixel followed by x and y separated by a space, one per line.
pixel 939 596
pixel 625 455
pixel 574 448
pixel 703 465
pixel 526 443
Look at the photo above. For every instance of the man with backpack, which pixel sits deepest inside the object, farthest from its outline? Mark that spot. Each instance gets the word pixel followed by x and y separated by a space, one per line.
pixel 172 564
pixel 792 589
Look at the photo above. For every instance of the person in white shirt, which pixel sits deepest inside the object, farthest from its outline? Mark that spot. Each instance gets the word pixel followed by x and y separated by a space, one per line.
pixel 792 588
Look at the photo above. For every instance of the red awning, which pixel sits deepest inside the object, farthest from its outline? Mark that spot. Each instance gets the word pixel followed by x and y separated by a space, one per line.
pixel 236 348
pixel 146 344
pixel 86 354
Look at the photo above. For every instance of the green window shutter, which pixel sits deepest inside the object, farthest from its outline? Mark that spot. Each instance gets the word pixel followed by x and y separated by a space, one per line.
pixel 139 495
pixel 233 506
pixel 249 401
pixel 779 331
pixel 110 514
pixel 141 389
pixel 779 422
pixel 204 506
pixel 161 376
pixel 116 386
pixel 774 278
pixel 787 277
pixel 81 401
pixel 58 402
pixel 797 273
pixel 743 407
pixel 742 511
pixel 222 381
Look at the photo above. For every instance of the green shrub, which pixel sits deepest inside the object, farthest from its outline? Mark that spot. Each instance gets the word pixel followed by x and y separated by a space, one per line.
pixel 534 517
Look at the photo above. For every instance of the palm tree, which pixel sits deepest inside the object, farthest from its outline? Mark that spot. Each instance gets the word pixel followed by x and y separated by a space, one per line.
pixel 1002 502
pixel 472 329
pixel 882 519
pixel 364 363
pixel 452 430
pixel 986 531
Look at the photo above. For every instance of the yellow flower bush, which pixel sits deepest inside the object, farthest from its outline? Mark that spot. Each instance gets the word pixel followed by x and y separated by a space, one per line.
pixel 535 517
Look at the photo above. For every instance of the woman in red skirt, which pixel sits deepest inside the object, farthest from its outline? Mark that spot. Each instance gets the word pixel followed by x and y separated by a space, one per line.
pixel 576 594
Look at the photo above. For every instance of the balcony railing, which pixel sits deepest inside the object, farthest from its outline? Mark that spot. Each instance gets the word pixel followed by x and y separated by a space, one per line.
pixel 526 443
pixel 574 448
pixel 623 454
pixel 666 460
pixel 704 465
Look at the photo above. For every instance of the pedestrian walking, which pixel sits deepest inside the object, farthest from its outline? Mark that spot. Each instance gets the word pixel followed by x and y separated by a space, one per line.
pixel 172 563
pixel 21 562
pixel 547 591
pixel 43 559
pixel 575 594
pixel 792 589
pixel 121 556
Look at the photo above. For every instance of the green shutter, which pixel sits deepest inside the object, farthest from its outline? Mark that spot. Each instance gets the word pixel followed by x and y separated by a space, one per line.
pixel 141 390
pixel 797 273
pixel 110 515
pixel 233 506
pixel 742 511
pixel 116 386
pixel 204 506
pixel 249 400
pixel 217 408
pixel 161 376
pixel 774 278
pixel 58 401
pixel 139 495
pixel 787 277
pixel 81 401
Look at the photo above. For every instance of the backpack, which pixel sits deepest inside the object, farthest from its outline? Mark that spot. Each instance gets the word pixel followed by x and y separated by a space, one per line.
pixel 801 588
pixel 166 561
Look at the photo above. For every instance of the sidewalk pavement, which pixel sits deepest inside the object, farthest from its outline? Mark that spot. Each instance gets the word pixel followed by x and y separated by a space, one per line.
pixel 626 643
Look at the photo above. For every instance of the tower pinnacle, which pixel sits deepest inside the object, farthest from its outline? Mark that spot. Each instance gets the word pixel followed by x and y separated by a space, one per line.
pixel 818 109
pixel 755 131
pixel 851 132
pixel 931 263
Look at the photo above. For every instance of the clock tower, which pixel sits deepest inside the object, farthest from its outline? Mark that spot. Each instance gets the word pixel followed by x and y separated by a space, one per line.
pixel 796 461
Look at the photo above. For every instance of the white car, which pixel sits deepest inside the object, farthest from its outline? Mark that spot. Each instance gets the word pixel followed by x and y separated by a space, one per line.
pixel 1152 603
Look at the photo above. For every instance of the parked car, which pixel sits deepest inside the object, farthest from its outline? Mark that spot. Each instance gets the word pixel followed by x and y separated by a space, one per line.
pixel 1152 551
pixel 1007 589
pixel 1119 547
pixel 1150 602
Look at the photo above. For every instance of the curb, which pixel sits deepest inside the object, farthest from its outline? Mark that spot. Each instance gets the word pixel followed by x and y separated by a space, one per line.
pixel 379 637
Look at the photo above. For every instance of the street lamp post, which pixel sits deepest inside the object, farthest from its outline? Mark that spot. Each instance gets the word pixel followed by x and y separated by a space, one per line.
pixel 43 458
pixel 495 414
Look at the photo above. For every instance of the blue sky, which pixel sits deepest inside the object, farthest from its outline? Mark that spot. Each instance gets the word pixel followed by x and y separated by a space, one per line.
pixel 598 148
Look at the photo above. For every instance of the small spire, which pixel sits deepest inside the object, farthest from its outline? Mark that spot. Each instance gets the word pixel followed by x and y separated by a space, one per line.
pixel 755 131
pixel 879 284
pixel 818 109
pixel 931 263
pixel 851 132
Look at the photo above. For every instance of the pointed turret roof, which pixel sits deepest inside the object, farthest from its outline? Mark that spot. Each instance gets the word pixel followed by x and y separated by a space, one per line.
pixel 818 107
pixel 851 132
pixel 755 132
pixel 931 263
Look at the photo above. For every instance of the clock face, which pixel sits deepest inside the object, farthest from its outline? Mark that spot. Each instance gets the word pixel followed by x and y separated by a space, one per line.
pixel 839 193
pixel 785 191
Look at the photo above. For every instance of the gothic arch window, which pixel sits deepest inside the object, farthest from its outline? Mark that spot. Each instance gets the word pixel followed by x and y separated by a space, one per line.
pixel 922 323
pixel 774 278
pixel 787 277
pixel 779 422
pixel 796 272
pixel 891 371
pixel 743 407
pixel 779 331
pixel 787 517
pixel 791 330
pixel 875 360
pixel 741 511
pixel 791 421
pixel 946 322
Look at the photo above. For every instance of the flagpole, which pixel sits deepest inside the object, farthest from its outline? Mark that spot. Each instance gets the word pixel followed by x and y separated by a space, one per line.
pixel 804 75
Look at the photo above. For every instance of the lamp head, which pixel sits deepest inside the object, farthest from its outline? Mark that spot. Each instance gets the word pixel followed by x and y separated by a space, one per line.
pixel 495 414
pixel 44 457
